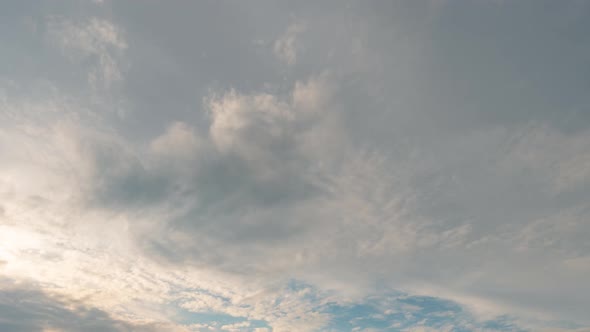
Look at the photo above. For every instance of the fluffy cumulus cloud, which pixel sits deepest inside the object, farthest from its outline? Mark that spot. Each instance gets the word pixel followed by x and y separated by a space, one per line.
pixel 394 170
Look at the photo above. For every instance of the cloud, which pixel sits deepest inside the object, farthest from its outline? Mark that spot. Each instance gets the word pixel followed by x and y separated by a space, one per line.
pixel 560 158
pixel 104 180
pixel 24 307
pixel 178 142
pixel 96 40
pixel 287 46
pixel 390 187
pixel 249 188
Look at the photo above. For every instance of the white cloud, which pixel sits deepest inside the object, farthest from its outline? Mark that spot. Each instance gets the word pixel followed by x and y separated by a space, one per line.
pixel 287 46
pixel 250 122
pixel 236 326
pixel 364 211
pixel 342 181
pixel 179 148
pixel 84 163
pixel 97 40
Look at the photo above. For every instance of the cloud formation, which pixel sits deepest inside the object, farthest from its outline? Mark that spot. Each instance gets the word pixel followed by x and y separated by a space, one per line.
pixel 286 47
pixel 383 175
pixel 25 308
pixel 95 40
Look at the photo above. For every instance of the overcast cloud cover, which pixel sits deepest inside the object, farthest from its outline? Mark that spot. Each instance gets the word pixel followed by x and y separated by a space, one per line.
pixel 295 166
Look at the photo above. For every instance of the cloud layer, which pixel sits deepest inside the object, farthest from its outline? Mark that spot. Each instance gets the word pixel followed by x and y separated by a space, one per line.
pixel 361 167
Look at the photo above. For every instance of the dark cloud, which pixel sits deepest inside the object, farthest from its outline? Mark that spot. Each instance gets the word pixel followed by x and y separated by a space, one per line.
pixel 26 308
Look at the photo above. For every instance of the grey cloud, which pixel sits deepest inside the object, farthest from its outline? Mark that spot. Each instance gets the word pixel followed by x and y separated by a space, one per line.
pixel 248 158
pixel 24 307
pixel 407 143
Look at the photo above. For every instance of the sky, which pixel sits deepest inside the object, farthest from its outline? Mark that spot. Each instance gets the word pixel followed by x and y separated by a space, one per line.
pixel 299 166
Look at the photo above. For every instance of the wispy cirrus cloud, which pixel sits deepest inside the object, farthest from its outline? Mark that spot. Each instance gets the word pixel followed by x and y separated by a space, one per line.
pixel 94 40
pixel 287 46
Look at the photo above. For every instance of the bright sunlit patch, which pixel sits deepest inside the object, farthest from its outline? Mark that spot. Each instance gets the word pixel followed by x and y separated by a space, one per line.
pixel 15 243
